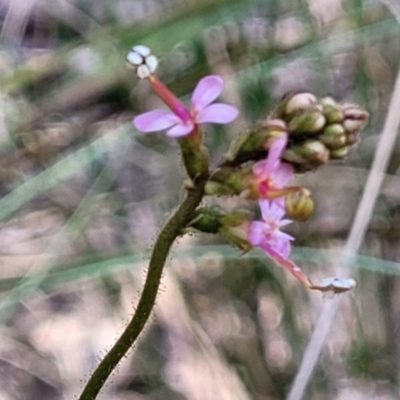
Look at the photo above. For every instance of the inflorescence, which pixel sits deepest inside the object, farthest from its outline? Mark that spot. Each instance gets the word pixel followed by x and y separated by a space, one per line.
pixel 302 134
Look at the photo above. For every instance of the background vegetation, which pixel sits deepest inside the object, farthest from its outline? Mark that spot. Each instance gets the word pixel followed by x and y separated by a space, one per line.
pixel 83 196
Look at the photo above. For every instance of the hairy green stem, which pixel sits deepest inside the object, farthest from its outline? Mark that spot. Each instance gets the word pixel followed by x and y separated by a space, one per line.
pixel 166 238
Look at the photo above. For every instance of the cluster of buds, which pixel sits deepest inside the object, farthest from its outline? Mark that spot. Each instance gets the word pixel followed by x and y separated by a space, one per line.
pixel 319 130
pixel 302 134
pixel 311 131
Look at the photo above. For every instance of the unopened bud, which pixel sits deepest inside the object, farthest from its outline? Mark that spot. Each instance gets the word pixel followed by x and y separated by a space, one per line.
pixel 334 136
pixel 329 101
pixel 310 121
pixel 355 118
pixel 353 125
pixel 299 101
pixel 314 150
pixel 207 220
pixel 338 154
pixel 354 112
pixel 299 205
pixel 144 62
pixel 228 181
pixel 234 218
pixel 332 111
pixel 307 156
pixel 235 227
pixel 274 125
pixel 293 157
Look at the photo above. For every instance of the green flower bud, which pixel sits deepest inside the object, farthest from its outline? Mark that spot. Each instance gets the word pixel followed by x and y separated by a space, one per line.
pixel 332 111
pixel 235 226
pixel 338 154
pixel 308 156
pixel 292 156
pixel 329 102
pixel 234 218
pixel 214 188
pixel 252 145
pixel 353 125
pixel 310 121
pixel 299 101
pixel 314 151
pixel 334 136
pixel 207 220
pixel 227 181
pixel 299 205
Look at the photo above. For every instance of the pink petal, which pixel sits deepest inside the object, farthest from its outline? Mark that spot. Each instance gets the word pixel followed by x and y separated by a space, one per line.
pixel 264 206
pixel 259 168
pixel 180 130
pixel 282 175
pixel 282 236
pixel 206 91
pixel 155 121
pixel 284 249
pixel 218 114
pixel 275 153
pixel 277 250
pixel 284 222
pixel 271 211
pixel 279 201
pixel 256 232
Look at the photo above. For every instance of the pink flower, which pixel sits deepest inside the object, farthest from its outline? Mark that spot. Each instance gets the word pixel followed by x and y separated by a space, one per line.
pixel 271 175
pixel 181 121
pixel 266 233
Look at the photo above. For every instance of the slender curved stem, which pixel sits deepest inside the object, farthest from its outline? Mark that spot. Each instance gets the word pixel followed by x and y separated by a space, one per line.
pixel 167 236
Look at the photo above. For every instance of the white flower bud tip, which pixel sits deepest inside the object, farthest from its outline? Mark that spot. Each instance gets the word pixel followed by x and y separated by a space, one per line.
pixel 142 59
pixel 144 51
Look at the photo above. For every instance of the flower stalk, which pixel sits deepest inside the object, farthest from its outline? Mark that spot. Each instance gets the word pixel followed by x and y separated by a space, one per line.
pixel 172 229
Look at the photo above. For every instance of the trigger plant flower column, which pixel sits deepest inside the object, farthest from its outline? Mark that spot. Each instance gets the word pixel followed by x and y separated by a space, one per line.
pixel 182 122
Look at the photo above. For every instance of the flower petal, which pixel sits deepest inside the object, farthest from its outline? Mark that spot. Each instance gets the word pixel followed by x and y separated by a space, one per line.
pixel 218 114
pixel 284 222
pixel 280 202
pixel 275 153
pixel 155 121
pixel 282 175
pixel 277 249
pixel 282 236
pixel 271 211
pixel 259 169
pixel 256 232
pixel 206 91
pixel 180 130
pixel 265 208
